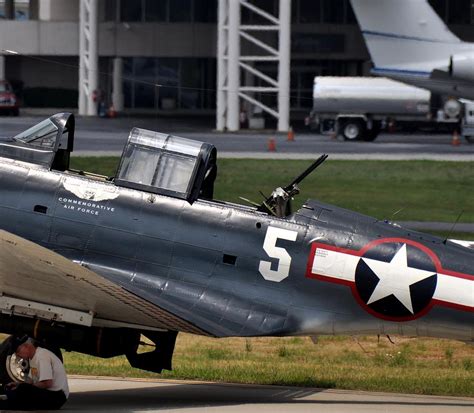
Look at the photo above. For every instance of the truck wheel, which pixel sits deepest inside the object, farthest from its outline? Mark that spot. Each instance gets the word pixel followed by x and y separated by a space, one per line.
pixel 371 135
pixel 12 368
pixel 352 130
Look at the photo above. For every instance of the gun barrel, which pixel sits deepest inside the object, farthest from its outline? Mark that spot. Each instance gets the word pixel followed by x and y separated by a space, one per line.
pixel 307 171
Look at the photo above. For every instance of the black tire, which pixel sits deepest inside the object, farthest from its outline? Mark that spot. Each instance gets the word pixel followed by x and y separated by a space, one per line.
pixel 11 368
pixel 352 130
pixel 371 135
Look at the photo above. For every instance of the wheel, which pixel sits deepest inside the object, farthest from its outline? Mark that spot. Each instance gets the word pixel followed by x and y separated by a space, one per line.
pixel 371 135
pixel 12 368
pixel 352 130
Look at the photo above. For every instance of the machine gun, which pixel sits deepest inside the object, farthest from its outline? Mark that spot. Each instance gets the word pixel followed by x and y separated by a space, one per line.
pixel 278 203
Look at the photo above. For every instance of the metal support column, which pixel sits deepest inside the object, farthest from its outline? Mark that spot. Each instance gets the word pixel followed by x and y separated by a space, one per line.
pixel 88 57
pixel 117 91
pixel 2 67
pixel 230 62
pixel 221 103
pixel 284 43
pixel 233 70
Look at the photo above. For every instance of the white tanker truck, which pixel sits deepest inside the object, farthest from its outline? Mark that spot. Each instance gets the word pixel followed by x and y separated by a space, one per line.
pixel 358 108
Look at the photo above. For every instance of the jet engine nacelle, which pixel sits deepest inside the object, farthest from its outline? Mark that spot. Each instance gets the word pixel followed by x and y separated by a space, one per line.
pixel 462 67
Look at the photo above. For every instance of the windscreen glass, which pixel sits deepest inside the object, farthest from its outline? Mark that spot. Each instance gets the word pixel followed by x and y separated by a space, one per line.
pixel 174 172
pixel 42 135
pixel 139 165
pixel 162 162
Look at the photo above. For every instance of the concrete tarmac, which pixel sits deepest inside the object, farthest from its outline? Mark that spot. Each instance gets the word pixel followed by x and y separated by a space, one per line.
pixel 134 395
pixel 106 137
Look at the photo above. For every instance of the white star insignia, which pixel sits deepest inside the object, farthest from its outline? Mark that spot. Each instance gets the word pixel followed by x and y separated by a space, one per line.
pixel 395 278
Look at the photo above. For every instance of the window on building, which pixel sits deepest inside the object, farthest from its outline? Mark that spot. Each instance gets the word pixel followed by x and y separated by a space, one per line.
pixel 110 11
pixel 180 10
pixel 127 82
pixel 191 82
pixel 15 10
pixel 156 10
pixel 350 16
pixel 459 12
pixel 310 11
pixel 185 83
pixel 168 78
pixel 205 11
pixel 440 7
pixel 130 10
pixel 172 11
pixel 145 85
pixel 333 11
pixel 317 43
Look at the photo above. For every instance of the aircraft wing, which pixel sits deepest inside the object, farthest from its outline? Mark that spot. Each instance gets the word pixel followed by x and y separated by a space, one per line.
pixel 37 282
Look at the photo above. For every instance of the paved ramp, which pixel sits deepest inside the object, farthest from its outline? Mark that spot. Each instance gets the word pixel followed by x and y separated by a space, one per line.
pixel 128 395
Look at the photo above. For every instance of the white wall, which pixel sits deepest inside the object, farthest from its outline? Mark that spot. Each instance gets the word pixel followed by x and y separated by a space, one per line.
pixel 59 10
pixel 147 39
pixel 40 38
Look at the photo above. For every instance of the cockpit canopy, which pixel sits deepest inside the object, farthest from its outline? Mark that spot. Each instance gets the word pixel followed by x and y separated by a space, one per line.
pixel 168 165
pixel 151 161
pixel 48 143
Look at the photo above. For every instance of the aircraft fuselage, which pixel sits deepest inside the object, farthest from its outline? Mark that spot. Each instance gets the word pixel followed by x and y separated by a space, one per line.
pixel 234 271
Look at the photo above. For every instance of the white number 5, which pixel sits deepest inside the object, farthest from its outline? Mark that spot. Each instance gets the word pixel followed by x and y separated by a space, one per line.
pixel 284 259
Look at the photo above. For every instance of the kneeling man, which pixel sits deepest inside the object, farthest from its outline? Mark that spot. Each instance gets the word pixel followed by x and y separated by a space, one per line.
pixel 46 387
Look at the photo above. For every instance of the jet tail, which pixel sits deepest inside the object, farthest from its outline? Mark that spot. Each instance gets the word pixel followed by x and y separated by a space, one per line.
pixel 406 35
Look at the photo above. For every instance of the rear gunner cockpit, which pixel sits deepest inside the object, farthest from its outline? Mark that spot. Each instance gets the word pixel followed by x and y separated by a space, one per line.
pixel 151 161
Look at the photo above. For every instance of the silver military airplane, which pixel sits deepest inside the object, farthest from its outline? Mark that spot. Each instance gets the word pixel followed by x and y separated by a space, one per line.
pixel 409 42
pixel 90 263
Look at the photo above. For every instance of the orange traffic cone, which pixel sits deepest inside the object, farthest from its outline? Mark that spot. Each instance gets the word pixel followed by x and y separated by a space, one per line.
pixel 271 145
pixel 291 135
pixel 456 141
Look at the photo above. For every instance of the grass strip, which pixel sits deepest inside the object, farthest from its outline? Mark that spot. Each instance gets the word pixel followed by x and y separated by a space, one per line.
pixel 399 190
pixel 417 366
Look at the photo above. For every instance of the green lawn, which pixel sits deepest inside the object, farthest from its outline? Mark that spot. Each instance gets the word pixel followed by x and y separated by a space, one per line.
pixel 418 190
pixel 422 366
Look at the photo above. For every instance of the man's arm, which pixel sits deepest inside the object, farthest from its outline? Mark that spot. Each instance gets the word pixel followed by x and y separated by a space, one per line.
pixel 45 384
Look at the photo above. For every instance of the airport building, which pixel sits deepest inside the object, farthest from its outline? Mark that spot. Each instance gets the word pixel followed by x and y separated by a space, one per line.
pixel 140 44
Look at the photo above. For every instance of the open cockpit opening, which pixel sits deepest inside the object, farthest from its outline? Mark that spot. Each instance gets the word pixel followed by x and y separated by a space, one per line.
pixel 151 161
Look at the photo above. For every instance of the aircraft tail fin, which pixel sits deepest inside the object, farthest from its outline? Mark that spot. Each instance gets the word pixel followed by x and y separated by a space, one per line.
pixel 404 33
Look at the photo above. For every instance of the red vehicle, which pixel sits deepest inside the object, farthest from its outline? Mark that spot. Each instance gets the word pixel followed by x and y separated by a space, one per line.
pixel 8 99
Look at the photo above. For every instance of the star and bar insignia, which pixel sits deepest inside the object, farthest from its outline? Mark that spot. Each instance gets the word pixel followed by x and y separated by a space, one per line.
pixel 393 279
